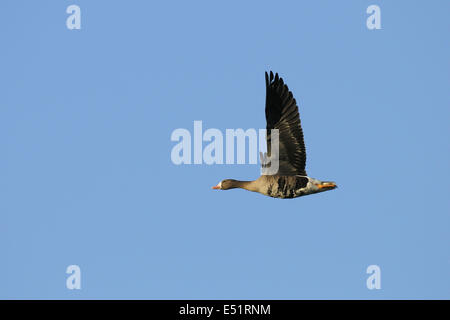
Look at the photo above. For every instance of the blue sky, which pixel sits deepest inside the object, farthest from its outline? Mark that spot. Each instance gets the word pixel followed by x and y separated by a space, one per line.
pixel 86 176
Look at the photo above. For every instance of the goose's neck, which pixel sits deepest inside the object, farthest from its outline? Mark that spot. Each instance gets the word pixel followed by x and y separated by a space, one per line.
pixel 247 185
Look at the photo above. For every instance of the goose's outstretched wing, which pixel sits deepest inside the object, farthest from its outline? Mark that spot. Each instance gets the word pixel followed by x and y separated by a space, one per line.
pixel 282 114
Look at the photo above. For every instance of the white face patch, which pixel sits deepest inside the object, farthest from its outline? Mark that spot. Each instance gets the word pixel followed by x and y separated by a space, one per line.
pixel 220 184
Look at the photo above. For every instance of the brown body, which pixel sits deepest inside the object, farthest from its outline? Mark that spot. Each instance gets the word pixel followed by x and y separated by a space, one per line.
pixel 276 186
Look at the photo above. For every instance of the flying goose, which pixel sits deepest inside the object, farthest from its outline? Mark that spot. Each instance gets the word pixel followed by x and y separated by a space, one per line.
pixel 291 180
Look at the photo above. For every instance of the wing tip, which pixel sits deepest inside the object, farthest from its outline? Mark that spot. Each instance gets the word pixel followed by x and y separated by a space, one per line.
pixel 271 78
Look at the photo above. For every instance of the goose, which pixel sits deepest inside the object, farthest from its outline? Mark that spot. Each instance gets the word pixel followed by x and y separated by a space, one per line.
pixel 283 119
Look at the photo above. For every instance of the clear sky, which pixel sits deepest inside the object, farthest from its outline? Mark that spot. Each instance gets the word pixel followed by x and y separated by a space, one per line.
pixel 85 171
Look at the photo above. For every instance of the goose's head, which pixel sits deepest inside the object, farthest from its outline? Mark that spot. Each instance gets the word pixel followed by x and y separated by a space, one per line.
pixel 225 184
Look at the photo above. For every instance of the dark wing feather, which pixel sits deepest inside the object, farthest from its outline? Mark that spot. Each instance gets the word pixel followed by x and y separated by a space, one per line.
pixel 282 114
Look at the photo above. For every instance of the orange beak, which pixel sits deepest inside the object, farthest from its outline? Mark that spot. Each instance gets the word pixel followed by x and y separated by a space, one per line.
pixel 330 185
pixel 216 187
